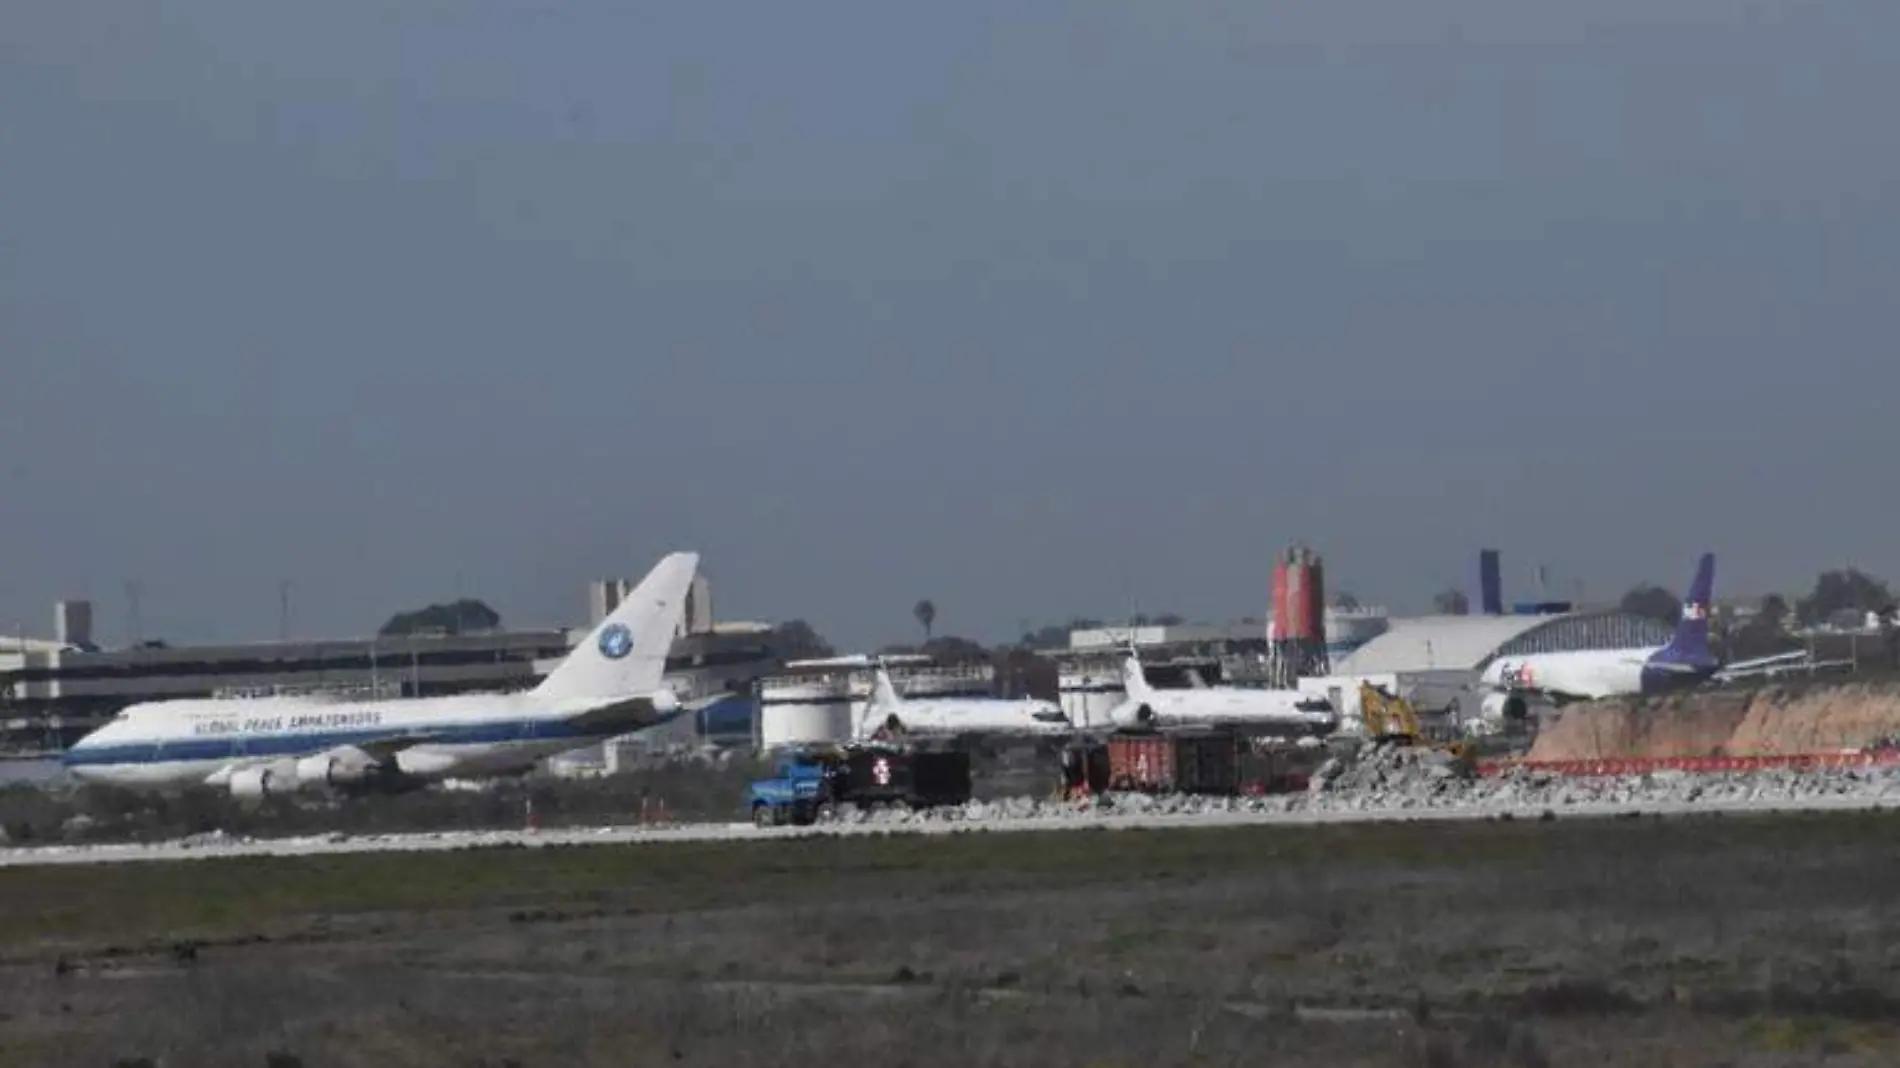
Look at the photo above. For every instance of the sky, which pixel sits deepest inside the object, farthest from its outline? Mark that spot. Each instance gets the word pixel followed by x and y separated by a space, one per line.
pixel 1036 310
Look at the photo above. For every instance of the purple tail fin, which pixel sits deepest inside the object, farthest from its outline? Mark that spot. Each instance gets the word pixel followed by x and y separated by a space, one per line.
pixel 1690 645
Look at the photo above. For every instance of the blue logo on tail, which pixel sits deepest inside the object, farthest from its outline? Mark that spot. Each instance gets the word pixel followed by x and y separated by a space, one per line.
pixel 616 641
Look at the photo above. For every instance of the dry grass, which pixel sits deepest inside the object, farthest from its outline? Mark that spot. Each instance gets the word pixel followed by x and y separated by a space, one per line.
pixel 1764 941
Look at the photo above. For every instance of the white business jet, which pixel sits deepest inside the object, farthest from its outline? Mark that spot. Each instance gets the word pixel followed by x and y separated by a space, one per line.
pixel 1237 706
pixel 890 712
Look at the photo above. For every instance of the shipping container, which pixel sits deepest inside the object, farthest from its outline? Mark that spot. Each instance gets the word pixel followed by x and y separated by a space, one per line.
pixel 1189 763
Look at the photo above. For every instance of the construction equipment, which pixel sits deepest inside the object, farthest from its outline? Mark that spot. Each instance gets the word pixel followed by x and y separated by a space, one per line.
pixel 1391 719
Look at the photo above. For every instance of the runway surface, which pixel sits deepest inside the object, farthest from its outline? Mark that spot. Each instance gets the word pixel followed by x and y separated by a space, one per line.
pixel 203 848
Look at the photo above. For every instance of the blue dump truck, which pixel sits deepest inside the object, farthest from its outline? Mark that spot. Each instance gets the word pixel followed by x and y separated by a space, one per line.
pixel 811 785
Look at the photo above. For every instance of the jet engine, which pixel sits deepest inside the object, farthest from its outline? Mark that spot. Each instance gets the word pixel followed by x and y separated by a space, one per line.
pixel 337 768
pixel 665 702
pixel 1505 708
pixel 250 784
pixel 1139 716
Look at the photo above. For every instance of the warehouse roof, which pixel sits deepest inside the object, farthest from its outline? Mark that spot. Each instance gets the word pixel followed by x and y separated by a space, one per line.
pixel 1426 643
pixel 1465 643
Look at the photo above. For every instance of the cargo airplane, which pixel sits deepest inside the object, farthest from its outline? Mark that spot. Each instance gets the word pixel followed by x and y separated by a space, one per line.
pixel 889 712
pixel 1511 683
pixel 1234 706
pixel 610 684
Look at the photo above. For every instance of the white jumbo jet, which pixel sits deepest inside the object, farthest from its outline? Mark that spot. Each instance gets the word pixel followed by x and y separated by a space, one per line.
pixel 1203 705
pixel 610 684
pixel 888 711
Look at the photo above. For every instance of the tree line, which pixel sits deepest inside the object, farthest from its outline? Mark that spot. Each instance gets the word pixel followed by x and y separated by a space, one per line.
pixel 1767 630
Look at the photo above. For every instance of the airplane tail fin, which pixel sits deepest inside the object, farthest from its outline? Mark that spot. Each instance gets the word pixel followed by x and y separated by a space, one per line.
pixel 625 655
pixel 1134 681
pixel 883 694
pixel 1690 644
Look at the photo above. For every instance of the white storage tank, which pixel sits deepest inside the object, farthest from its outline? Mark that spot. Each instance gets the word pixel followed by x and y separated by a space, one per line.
pixel 805 710
pixel 1089 689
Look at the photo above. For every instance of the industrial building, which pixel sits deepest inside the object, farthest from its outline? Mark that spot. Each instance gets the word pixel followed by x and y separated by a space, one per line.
pixel 53 691
pixel 1328 650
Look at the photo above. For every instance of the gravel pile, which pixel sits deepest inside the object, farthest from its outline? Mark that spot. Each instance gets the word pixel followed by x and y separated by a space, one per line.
pixel 1398 779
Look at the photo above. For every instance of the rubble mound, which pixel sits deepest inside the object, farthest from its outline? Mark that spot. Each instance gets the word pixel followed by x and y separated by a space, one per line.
pixel 1388 768
pixel 1762 721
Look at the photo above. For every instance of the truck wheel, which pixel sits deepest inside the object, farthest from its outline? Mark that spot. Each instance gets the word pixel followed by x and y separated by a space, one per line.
pixel 764 816
pixel 826 812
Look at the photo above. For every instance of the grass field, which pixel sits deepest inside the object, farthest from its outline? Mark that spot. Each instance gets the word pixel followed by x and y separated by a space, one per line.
pixel 1706 941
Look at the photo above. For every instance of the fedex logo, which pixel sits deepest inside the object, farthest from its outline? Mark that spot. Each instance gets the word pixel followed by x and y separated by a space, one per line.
pixel 1517 675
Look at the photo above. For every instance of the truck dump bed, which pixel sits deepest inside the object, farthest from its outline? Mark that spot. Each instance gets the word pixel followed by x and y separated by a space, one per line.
pixel 918 777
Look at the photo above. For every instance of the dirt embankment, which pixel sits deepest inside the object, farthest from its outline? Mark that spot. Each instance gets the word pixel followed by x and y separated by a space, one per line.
pixel 1800 718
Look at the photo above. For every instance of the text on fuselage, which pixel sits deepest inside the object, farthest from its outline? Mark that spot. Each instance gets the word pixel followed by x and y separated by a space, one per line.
pixel 302 721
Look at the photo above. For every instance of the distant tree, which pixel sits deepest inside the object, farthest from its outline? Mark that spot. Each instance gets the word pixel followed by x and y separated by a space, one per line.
pixel 1652 602
pixel 1345 601
pixel 1168 619
pixel 1837 591
pixel 1763 634
pixel 951 649
pixel 456 617
pixel 1773 609
pixel 1452 602
pixel 926 614
pixel 796 640
pixel 1054 637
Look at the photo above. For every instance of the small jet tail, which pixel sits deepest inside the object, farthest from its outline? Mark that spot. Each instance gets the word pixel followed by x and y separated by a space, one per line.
pixel 884 696
pixel 626 655
pixel 1690 644
pixel 1134 680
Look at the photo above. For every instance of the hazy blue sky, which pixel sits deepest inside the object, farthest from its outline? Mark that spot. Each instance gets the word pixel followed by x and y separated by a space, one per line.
pixel 1033 308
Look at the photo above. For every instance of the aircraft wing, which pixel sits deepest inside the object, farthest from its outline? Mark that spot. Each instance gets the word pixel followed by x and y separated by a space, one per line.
pixel 1759 665
pixel 382 749
pixel 633 713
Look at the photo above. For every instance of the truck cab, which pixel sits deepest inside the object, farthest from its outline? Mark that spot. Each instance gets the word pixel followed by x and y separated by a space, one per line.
pixel 799 784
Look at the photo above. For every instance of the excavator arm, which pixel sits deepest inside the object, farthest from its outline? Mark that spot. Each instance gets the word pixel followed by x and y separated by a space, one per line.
pixel 1388 717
